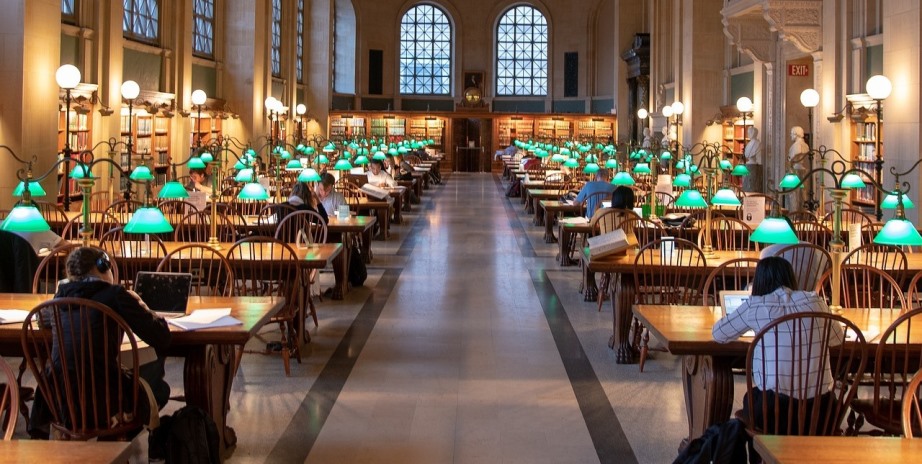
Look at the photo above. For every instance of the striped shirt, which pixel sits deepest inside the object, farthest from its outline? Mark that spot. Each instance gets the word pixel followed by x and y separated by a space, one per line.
pixel 760 311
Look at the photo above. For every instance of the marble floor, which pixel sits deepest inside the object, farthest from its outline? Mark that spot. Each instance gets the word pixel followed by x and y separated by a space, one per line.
pixel 467 344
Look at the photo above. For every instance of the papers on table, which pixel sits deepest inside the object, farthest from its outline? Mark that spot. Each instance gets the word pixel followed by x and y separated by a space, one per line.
pixel 205 319
pixel 10 316
pixel 574 220
pixel 375 191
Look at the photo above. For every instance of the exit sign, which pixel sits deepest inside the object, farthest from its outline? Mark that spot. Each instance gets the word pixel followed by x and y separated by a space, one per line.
pixel 800 70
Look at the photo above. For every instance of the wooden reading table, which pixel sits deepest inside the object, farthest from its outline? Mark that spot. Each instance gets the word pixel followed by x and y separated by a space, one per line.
pixel 776 449
pixel 48 451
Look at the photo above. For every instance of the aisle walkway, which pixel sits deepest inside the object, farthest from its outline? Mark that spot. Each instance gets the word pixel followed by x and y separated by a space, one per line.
pixel 468 344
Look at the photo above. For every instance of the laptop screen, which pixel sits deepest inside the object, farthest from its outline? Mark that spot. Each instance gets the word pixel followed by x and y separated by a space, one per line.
pixel 166 292
pixel 732 299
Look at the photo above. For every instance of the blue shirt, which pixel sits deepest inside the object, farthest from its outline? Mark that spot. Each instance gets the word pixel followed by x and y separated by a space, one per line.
pixel 590 188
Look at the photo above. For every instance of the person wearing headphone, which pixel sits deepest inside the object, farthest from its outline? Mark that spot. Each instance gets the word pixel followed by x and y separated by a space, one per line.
pixel 89 276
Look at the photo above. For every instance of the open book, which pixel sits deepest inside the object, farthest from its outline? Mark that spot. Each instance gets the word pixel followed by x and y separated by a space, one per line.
pixel 205 319
pixel 9 316
pixel 375 191
pixel 610 243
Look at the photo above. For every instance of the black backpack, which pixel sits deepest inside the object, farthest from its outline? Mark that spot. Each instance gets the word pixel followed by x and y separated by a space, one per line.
pixel 357 270
pixel 189 436
pixel 724 443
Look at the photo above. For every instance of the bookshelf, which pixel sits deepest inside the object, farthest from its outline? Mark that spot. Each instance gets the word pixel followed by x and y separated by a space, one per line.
pixel 150 136
pixel 346 126
pixel 392 127
pixel 734 135
pixel 513 128
pixel 424 128
pixel 81 138
pixel 863 155
pixel 598 129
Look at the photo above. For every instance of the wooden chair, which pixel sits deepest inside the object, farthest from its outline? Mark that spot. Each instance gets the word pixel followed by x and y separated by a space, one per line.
pixel 247 207
pixel 912 407
pixel 896 360
pixel 177 208
pixel 9 400
pixel 211 271
pixel 603 221
pixel 595 200
pixel 802 215
pixel 864 286
pixel 850 216
pixel 810 408
pixel 88 396
pixel 100 223
pixel 886 257
pixel 645 231
pixel 809 261
pixel 52 213
pixel 666 283
pixel 735 274
pixel 196 228
pixel 728 234
pixel 311 225
pixel 814 232
pixel 121 208
pixel 123 246
pixel 269 217
pixel 53 267
pixel 265 266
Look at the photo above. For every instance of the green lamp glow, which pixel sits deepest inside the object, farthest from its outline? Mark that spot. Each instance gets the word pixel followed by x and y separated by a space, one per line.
pixel 141 173
pixel 329 147
pixel 558 158
pixel 206 157
pixel 239 165
pixel 611 163
pixel 35 189
pixel 361 160
pixel 623 178
pixel 852 181
pixel 725 197
pixel 789 181
pixel 310 150
pixel 379 155
pixel 571 163
pixel 196 163
pixel 253 191
pixel 309 175
pixel 739 170
pixel 889 202
pixel 285 154
pixel 682 180
pixel 565 152
pixel 691 198
pixel 294 165
pixel 774 230
pixel 665 156
pixel 148 220
pixel 392 151
pixel 591 168
pixel 725 164
pixel 81 171
pixel 322 159
pixel 898 231
pixel 642 168
pixel 251 153
pixel 25 218
pixel 244 175
pixel 172 189
pixel 680 164
pixel 342 165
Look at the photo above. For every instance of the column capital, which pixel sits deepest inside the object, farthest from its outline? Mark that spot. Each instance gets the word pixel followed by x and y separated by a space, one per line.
pixel 797 21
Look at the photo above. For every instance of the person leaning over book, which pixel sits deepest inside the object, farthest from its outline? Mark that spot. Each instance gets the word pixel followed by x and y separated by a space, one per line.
pixel 377 176
pixel 773 297
pixel 89 275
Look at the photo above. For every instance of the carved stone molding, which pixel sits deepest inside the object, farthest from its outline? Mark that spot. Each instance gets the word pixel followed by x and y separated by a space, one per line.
pixel 751 33
pixel 797 21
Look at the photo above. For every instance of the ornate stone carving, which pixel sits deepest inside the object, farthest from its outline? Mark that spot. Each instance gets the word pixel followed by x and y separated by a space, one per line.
pixel 799 22
pixel 752 35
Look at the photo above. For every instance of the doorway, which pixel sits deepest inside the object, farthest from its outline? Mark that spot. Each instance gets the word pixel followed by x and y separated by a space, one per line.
pixel 471 139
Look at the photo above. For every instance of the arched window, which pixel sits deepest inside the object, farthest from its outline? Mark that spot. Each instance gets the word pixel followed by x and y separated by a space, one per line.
pixel 203 28
pixel 277 38
pixel 425 51
pixel 141 20
pixel 521 52
pixel 69 11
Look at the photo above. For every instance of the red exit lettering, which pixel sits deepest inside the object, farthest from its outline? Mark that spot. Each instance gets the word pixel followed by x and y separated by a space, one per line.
pixel 800 70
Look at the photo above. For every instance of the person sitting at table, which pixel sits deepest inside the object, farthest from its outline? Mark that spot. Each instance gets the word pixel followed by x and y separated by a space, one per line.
pixel 599 184
pixel 197 181
pixel 623 198
pixel 377 176
pixel 303 199
pixel 405 173
pixel 89 275
pixel 326 192
pixel 773 297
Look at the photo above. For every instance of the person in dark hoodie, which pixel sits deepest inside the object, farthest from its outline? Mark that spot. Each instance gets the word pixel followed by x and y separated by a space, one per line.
pixel 89 276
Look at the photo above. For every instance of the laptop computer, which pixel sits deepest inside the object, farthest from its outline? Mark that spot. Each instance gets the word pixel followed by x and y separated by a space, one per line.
pixel 730 300
pixel 165 293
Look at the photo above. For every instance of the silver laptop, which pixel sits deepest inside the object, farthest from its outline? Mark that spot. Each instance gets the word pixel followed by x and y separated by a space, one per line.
pixel 732 299
pixel 166 293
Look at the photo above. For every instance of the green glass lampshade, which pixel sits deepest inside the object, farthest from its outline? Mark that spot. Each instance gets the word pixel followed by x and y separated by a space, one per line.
pixel 635 155
pixel 852 181
pixel 329 147
pixel 392 151
pixel 196 163
pixel 148 220
pixel 141 173
pixel 592 158
pixel 361 160
pixel 680 164
pixel 789 181
pixel 171 190
pixel 739 170
pixel 665 156
pixel 81 171
pixel 623 178
pixel 310 151
pixel 277 150
pixel 309 175
pixel 889 202
pixel 322 159
pixel 379 155
pixel 725 164
pixel 36 190
pixel 300 147
pixel 693 168
pixel 25 218
pixel 285 154
pixel 346 154
pixel 251 153
pixel 725 197
pixel 294 165
pixel 565 152
pixel 584 148
pixel 898 231
pixel 253 191
pixel 206 157
pixel 642 168
pixel 691 198
pixel 403 150
pixel 571 163
pixel 609 150
pixel 774 230
pixel 415 145
pixel 591 168
pixel 682 180
pixel 239 165
pixel 611 163
pixel 353 146
pixel 342 165
pixel 558 158
pixel 244 175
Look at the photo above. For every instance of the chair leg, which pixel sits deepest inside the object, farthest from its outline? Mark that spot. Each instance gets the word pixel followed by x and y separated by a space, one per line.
pixel 644 348
pixel 286 360
pixel 604 284
pixel 313 309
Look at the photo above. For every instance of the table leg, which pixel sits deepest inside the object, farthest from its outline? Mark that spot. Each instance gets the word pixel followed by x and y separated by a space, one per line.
pixel 398 205
pixel 565 237
pixel 528 204
pixel 549 229
pixel 621 293
pixel 590 288
pixel 209 373
pixel 341 268
pixel 708 385
pixel 539 212
pixel 385 224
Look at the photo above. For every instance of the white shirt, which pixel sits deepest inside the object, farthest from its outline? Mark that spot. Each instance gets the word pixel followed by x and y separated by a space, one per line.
pixel 381 179
pixel 760 311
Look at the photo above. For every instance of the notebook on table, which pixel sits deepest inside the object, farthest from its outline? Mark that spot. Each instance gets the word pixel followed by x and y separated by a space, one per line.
pixel 166 293
pixel 730 300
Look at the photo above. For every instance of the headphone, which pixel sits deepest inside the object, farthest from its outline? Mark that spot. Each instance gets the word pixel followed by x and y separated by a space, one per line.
pixel 103 264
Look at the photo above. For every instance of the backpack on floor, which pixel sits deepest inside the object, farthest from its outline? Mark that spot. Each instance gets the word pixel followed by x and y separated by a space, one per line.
pixel 724 443
pixel 189 436
pixel 357 270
